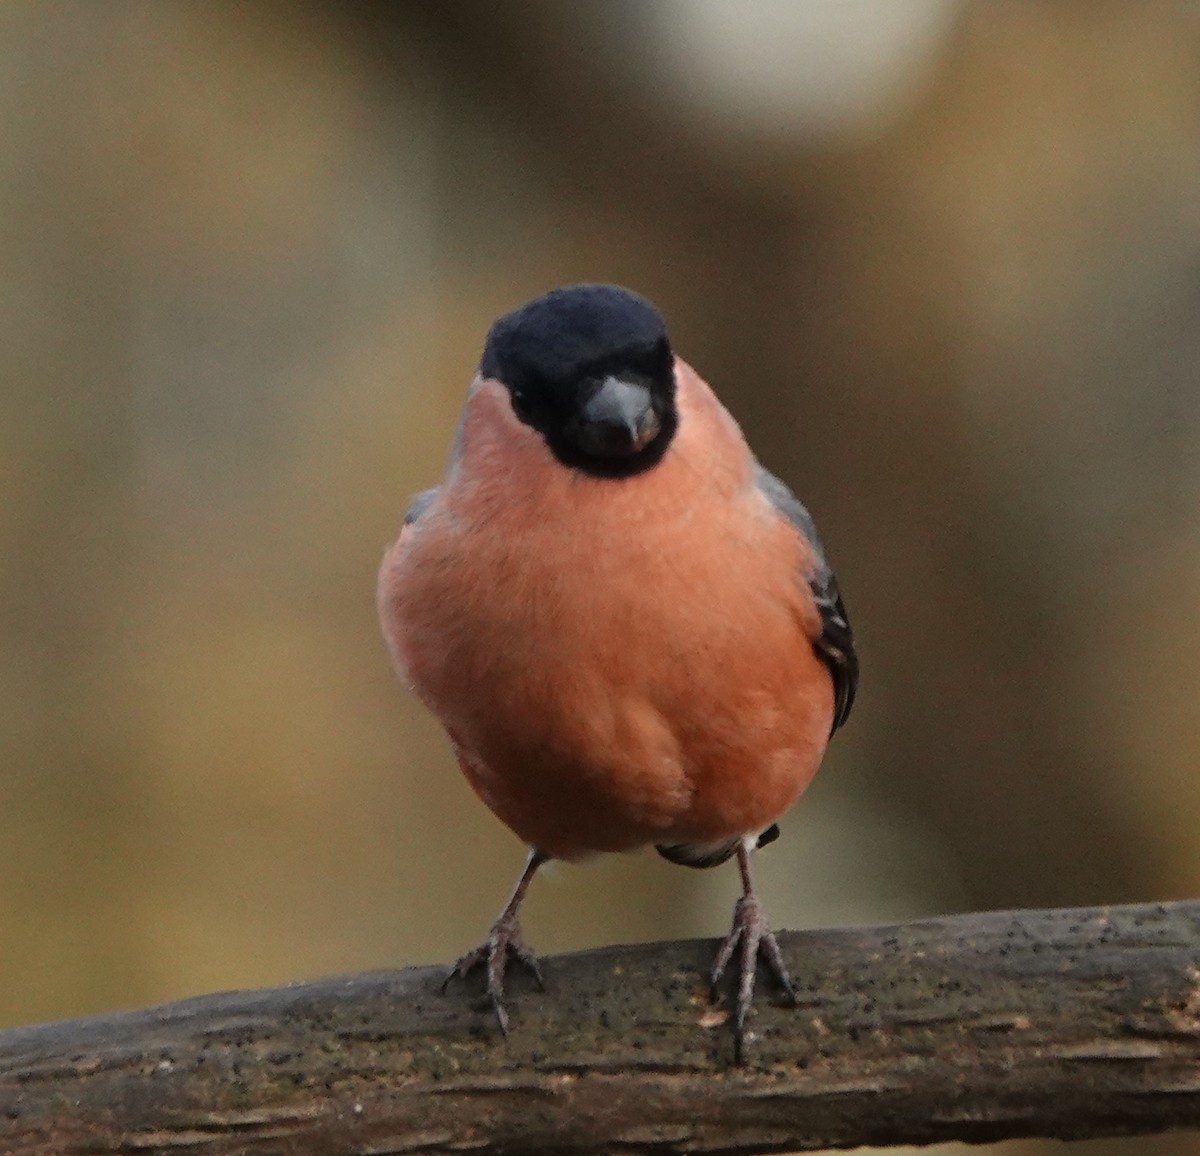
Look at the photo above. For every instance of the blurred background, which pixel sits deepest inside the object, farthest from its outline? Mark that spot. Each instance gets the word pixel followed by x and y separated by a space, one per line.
pixel 940 257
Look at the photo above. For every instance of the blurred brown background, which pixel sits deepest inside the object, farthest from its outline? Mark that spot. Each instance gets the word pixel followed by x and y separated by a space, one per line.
pixel 940 257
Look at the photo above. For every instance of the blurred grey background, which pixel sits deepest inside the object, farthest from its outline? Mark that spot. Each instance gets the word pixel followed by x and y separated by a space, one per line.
pixel 940 257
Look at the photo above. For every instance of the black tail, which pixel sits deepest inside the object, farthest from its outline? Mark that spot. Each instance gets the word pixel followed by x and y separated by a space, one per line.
pixel 709 854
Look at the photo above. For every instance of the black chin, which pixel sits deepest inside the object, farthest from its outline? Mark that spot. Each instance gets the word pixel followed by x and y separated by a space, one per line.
pixel 617 465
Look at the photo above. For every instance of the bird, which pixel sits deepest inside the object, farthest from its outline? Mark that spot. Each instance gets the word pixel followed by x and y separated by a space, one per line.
pixel 625 624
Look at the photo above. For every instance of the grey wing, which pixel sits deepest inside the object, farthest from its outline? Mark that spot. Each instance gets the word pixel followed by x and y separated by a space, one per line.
pixel 836 642
pixel 418 505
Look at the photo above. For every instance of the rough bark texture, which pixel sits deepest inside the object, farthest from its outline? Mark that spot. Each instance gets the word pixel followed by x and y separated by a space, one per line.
pixel 1065 1023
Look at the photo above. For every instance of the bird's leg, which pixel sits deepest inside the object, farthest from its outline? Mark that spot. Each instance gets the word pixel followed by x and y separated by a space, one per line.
pixel 503 940
pixel 751 933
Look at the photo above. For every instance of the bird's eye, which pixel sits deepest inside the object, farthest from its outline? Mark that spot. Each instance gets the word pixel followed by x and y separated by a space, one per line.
pixel 520 404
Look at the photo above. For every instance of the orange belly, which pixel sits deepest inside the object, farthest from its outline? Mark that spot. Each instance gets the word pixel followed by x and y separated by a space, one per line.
pixel 621 772
pixel 617 663
pixel 593 712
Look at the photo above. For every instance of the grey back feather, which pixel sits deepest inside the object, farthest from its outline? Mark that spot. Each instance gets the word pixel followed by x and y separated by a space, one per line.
pixel 419 505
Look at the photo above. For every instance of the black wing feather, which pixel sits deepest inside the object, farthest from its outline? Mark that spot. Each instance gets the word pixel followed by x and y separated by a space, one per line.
pixel 836 642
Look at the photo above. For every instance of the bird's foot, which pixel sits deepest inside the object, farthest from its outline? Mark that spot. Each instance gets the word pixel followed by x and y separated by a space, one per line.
pixel 751 933
pixel 503 941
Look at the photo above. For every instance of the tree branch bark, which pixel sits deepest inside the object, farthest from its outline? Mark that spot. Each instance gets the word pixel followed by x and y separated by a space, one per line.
pixel 1065 1023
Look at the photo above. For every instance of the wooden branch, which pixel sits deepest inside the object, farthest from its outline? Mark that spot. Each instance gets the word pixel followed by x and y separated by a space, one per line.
pixel 1066 1023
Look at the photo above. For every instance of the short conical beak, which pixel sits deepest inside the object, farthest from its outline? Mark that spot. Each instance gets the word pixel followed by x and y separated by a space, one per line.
pixel 618 420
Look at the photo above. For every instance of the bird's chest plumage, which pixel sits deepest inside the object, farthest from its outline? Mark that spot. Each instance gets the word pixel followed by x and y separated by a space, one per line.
pixel 617 662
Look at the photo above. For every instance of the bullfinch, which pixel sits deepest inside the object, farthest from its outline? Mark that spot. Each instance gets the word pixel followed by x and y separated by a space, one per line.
pixel 626 625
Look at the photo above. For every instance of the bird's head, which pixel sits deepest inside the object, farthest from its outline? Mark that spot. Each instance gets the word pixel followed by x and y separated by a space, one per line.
pixel 589 367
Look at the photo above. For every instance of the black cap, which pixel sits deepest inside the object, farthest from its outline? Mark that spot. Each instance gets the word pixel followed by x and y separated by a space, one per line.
pixel 556 353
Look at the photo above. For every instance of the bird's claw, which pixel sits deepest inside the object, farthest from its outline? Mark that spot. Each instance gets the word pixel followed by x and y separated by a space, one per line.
pixel 751 933
pixel 503 941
